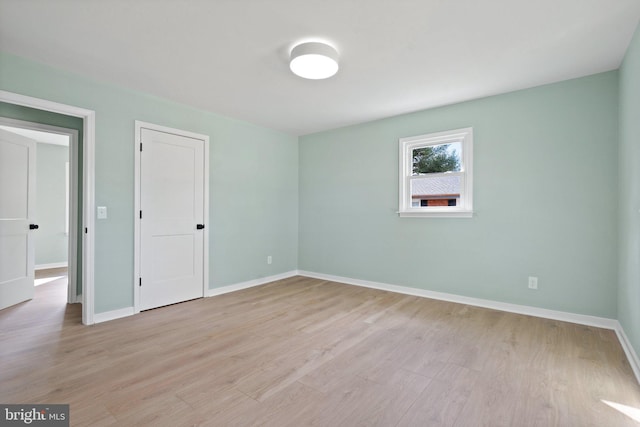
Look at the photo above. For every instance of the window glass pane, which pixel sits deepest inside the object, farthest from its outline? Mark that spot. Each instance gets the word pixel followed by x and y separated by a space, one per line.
pixel 437 158
pixel 436 191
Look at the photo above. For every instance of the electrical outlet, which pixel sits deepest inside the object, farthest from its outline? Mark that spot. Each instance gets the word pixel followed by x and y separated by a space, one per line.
pixel 533 282
pixel 269 259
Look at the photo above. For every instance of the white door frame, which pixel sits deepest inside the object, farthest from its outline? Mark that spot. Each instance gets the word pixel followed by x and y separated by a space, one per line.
pixel 139 125
pixel 88 180
pixel 72 255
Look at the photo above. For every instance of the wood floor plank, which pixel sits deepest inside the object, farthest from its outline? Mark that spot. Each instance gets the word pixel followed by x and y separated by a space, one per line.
pixel 304 351
pixel 441 403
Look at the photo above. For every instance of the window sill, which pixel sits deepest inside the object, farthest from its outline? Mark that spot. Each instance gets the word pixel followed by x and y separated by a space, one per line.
pixel 436 214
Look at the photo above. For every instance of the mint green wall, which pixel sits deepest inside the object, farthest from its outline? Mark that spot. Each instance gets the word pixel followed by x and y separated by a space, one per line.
pixel 27 114
pixel 253 179
pixel 545 179
pixel 629 286
pixel 51 240
pixel 545 194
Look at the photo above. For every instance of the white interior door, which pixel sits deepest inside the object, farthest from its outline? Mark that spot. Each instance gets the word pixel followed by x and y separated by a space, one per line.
pixel 172 218
pixel 17 209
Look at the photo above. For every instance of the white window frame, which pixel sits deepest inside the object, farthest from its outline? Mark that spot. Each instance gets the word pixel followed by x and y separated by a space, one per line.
pixel 407 145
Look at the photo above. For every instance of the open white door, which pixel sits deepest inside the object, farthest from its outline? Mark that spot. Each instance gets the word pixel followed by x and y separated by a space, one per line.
pixel 172 212
pixel 17 208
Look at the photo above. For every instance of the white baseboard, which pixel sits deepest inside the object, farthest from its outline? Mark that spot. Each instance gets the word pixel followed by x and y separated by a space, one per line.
pixel 78 299
pixel 51 265
pixel 112 315
pixel 129 311
pixel 632 356
pixel 250 283
pixel 582 319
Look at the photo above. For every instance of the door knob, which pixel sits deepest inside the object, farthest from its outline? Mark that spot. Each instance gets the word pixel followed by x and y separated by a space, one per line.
pixel 200 226
pixel 33 226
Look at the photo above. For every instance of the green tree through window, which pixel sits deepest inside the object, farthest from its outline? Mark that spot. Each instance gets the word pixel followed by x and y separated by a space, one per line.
pixel 434 159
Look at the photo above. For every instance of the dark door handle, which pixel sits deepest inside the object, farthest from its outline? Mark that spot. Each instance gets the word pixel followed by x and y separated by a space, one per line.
pixel 33 226
pixel 200 226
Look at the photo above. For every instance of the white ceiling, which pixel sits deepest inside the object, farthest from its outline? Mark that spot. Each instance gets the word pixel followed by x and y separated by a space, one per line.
pixel 231 56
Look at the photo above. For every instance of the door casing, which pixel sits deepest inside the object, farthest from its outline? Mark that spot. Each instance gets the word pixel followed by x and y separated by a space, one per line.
pixel 88 180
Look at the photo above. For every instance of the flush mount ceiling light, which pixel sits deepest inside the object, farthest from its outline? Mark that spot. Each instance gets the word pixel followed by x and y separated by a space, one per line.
pixel 314 60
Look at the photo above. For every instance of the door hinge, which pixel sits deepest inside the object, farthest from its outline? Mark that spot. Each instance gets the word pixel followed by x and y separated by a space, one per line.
pixel 140 281
pixel 86 230
pixel 141 146
pixel 140 214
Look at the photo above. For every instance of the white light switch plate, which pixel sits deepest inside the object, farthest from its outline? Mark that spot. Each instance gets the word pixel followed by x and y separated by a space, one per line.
pixel 102 212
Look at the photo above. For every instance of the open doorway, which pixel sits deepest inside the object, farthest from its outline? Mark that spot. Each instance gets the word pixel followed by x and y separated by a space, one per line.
pixel 55 237
pixel 40 111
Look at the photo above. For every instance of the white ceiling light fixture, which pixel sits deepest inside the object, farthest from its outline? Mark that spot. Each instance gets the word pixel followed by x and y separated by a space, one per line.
pixel 314 60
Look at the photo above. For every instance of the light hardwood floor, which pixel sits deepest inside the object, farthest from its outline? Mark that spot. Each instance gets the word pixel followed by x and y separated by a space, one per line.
pixel 51 272
pixel 302 352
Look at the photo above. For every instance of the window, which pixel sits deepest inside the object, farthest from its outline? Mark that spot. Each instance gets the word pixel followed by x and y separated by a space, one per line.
pixel 436 174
